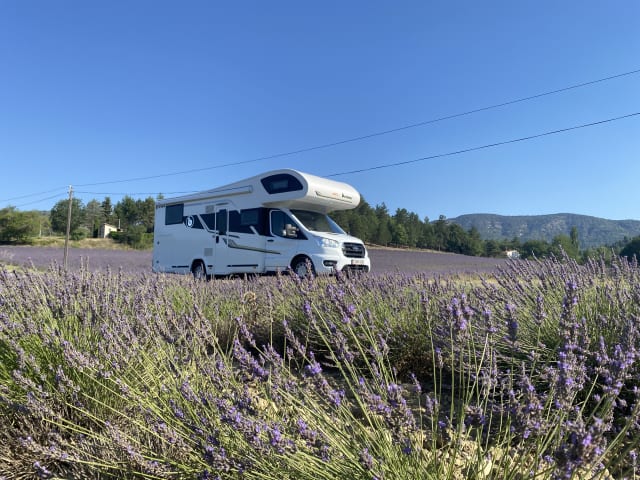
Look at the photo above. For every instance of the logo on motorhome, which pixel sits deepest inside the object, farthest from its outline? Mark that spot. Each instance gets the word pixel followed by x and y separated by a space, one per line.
pixel 189 221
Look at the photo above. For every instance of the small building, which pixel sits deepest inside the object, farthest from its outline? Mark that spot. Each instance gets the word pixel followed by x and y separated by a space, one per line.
pixel 512 254
pixel 106 229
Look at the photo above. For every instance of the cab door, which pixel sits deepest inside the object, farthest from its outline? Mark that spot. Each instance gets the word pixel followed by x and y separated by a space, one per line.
pixel 283 241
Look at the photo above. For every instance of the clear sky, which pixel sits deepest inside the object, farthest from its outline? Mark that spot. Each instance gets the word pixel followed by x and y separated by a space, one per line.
pixel 105 91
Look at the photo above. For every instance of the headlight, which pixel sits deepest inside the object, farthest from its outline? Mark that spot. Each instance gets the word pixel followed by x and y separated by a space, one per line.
pixel 327 242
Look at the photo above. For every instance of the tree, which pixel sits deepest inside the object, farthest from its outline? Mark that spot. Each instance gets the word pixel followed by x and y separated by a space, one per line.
pixel 383 233
pixel 357 228
pixel 440 233
pixel 94 216
pixel 574 238
pixel 406 226
pixel 426 239
pixel 146 212
pixel 492 248
pixel 631 249
pixel 107 210
pixel 414 229
pixel 369 221
pixel 17 226
pixel 59 213
pixel 399 234
pixel 535 248
pixel 456 240
pixel 474 242
pixel 127 212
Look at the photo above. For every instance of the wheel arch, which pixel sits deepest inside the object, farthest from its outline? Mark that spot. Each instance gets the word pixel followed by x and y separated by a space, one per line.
pixel 301 257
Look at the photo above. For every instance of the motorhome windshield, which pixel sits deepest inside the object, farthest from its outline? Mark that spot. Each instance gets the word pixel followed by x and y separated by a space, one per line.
pixel 317 222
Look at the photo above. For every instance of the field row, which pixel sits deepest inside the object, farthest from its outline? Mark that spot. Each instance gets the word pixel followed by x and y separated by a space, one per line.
pixel 382 260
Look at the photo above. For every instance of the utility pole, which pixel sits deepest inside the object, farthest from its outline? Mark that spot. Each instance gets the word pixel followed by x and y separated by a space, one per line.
pixel 66 239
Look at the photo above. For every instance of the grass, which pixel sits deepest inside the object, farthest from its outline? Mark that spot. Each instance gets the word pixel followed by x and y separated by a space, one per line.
pixel 530 373
pixel 91 243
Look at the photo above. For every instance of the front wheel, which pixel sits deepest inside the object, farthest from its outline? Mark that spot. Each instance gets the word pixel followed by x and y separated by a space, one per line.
pixel 198 271
pixel 302 267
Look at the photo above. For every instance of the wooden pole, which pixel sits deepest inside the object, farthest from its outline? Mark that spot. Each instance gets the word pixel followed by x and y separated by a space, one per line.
pixel 66 239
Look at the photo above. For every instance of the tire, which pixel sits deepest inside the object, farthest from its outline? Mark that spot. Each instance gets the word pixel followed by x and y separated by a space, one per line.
pixel 302 267
pixel 198 271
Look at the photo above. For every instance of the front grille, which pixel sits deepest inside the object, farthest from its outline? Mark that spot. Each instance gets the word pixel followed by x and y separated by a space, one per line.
pixel 353 250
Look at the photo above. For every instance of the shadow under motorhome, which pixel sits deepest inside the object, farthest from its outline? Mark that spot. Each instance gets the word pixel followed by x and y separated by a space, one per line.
pixel 267 223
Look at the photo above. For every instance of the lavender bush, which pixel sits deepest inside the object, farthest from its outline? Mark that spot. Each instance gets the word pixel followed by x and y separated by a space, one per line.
pixel 531 372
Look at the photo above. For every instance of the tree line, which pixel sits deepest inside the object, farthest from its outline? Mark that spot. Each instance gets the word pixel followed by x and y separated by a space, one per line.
pixel 134 219
pixel 376 225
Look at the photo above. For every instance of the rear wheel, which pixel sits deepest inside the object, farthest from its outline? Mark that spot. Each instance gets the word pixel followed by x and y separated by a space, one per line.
pixel 198 271
pixel 302 267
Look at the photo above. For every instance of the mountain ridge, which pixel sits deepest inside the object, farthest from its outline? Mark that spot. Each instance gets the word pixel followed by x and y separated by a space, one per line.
pixel 592 231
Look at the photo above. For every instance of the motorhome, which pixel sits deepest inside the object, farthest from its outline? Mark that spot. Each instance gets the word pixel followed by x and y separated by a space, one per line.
pixel 271 222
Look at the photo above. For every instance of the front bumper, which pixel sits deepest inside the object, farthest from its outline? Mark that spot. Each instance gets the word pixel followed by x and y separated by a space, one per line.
pixel 325 264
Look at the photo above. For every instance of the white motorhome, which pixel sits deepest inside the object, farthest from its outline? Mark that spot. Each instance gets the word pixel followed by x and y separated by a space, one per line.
pixel 267 223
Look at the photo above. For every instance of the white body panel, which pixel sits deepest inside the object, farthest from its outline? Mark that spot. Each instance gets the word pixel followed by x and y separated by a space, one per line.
pixel 251 227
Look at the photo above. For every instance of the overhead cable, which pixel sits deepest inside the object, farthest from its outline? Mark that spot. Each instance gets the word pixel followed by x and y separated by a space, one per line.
pixel 364 137
pixel 490 145
pixel 59 195
pixel 440 155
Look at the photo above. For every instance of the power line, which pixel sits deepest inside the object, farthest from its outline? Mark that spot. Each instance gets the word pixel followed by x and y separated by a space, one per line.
pixel 490 145
pixel 440 155
pixel 364 137
pixel 31 195
pixel 133 193
pixel 58 195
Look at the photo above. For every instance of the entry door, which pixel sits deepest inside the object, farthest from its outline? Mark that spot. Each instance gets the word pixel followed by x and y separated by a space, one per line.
pixel 239 245
pixel 220 241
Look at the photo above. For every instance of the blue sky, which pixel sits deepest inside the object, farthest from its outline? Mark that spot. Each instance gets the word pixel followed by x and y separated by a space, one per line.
pixel 94 92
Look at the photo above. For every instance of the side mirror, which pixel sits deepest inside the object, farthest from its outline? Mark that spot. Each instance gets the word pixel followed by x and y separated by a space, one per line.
pixel 291 231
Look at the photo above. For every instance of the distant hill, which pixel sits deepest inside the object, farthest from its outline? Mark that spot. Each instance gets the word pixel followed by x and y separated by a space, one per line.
pixel 592 231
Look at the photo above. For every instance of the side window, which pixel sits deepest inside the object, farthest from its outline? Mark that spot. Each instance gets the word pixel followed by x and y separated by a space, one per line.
pixel 283 226
pixel 242 221
pixel 173 214
pixel 221 222
pixel 250 218
pixel 209 220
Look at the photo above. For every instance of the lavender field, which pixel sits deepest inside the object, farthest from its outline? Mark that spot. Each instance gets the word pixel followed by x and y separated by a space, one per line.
pixel 527 371
pixel 382 260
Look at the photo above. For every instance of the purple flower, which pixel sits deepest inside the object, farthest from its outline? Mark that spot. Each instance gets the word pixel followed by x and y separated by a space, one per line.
pixel 366 460
pixel 313 368
pixel 42 471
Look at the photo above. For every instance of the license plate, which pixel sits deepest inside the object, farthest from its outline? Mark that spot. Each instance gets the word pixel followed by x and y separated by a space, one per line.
pixel 357 262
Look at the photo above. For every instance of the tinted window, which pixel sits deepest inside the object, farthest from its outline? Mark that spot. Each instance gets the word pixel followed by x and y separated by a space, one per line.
pixel 221 222
pixel 209 220
pixel 250 217
pixel 282 182
pixel 173 214
pixel 242 221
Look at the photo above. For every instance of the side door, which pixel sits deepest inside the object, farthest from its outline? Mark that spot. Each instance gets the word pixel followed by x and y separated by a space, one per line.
pixel 245 241
pixel 282 241
pixel 215 222
pixel 220 250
